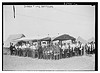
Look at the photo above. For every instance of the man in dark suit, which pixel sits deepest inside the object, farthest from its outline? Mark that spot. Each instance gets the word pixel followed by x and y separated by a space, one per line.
pixel 40 52
pixel 11 48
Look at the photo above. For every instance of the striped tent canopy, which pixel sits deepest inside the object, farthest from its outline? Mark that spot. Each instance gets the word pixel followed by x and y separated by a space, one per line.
pixel 46 39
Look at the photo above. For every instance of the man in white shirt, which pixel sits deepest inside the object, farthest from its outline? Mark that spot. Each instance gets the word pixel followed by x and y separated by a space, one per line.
pixel 89 48
pixel 66 46
pixel 20 50
pixel 16 46
pixel 20 46
pixel 33 47
pixel 27 45
pixel 63 47
pixel 60 46
pixel 23 46
pixel 74 45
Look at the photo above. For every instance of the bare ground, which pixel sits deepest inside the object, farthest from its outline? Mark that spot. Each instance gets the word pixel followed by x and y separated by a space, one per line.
pixel 26 63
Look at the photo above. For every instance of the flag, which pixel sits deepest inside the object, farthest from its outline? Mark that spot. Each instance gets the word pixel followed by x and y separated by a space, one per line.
pixel 14 10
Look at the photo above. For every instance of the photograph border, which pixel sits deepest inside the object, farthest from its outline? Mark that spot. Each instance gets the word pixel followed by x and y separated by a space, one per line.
pixel 58 3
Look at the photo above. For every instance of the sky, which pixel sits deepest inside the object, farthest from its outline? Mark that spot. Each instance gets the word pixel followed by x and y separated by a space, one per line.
pixel 75 20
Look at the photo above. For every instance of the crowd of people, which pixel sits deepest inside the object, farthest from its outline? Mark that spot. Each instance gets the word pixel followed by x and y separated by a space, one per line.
pixel 52 51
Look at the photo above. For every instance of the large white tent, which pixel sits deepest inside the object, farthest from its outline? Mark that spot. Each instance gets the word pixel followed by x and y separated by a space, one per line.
pixel 91 39
pixel 12 39
pixel 81 40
